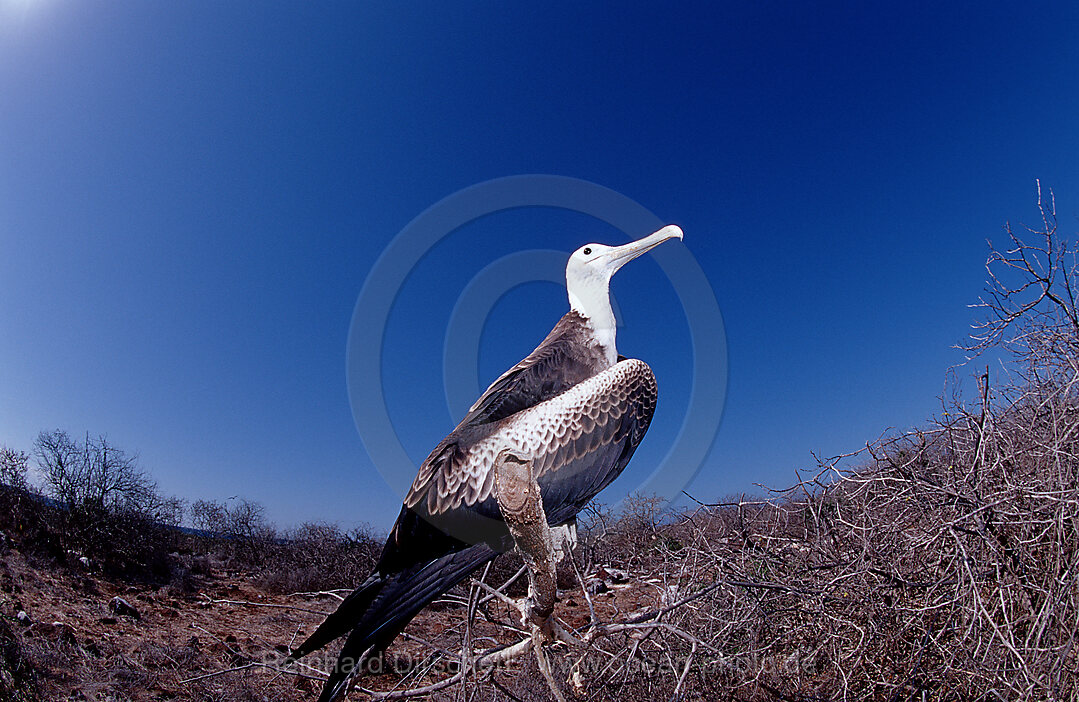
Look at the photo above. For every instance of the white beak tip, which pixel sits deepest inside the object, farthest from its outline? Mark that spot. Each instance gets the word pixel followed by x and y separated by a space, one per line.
pixel 672 231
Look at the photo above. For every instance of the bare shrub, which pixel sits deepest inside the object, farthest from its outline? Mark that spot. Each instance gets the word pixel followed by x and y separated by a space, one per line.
pixel 13 468
pixel 18 511
pixel 92 472
pixel 106 507
pixel 239 519
pixel 314 556
pixel 236 529
pixel 318 556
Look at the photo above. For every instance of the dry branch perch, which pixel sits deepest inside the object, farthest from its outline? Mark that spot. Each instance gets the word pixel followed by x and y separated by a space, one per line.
pixel 519 498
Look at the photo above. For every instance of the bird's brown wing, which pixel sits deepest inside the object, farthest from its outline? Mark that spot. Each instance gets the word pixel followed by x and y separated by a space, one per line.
pixel 562 360
pixel 578 441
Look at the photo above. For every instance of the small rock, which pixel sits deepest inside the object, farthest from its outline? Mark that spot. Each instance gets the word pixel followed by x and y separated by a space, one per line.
pixel 596 586
pixel 122 607
pixel 615 575
pixel 24 618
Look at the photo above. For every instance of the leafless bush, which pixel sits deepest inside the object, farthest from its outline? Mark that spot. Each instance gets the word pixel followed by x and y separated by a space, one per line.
pixel 234 518
pixel 314 556
pixel 236 530
pixel 92 472
pixel 636 538
pixel 13 468
pixel 1030 307
pixel 318 556
pixel 16 496
pixel 105 507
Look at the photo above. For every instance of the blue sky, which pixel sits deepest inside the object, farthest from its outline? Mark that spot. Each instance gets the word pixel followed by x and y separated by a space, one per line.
pixel 191 196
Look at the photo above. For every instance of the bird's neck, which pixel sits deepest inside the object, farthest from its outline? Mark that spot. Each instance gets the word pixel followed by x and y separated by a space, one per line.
pixel 593 303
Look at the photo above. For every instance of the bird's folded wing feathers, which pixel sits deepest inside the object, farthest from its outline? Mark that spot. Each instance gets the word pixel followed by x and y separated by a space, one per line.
pixel 556 365
pixel 613 406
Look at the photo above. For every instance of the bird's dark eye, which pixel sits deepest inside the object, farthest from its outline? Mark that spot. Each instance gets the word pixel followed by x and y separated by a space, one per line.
pixel 587 251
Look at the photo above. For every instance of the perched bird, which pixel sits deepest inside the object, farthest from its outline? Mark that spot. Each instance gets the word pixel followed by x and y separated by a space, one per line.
pixel 574 407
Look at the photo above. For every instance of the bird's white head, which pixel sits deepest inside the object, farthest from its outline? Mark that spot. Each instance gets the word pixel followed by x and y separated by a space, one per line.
pixel 589 271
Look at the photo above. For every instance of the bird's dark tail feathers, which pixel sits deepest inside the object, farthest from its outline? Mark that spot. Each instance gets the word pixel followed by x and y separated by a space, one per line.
pixel 377 611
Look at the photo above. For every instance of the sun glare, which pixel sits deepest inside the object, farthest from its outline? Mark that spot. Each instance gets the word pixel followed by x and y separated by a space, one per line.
pixel 17 12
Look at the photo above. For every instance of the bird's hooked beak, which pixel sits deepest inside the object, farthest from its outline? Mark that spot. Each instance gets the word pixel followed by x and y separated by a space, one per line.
pixel 619 256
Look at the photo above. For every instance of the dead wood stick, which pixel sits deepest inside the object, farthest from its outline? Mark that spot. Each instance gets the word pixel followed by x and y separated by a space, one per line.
pixel 519 499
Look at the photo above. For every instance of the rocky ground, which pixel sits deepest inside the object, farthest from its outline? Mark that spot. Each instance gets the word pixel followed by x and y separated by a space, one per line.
pixel 219 636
